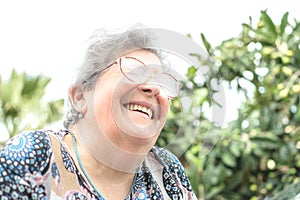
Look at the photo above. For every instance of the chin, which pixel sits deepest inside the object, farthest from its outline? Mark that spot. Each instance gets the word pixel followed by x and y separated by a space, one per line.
pixel 140 144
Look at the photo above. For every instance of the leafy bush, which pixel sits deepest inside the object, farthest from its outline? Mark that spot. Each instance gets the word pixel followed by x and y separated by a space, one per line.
pixel 257 155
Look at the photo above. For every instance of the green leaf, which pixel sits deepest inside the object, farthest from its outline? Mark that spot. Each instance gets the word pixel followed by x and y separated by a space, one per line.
pixel 266 142
pixel 269 24
pixel 296 29
pixel 228 159
pixel 214 191
pixel 284 23
pixel 206 43
pixel 191 73
pixel 235 149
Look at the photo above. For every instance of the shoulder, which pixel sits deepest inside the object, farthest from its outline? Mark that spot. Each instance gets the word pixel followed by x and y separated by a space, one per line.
pixel 166 158
pixel 24 163
pixel 172 176
pixel 173 170
pixel 27 151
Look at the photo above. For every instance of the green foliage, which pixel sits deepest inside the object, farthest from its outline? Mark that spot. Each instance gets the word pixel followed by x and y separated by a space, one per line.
pixel 23 106
pixel 257 155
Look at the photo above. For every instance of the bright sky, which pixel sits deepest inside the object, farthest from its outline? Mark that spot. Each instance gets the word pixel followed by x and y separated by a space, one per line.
pixel 47 37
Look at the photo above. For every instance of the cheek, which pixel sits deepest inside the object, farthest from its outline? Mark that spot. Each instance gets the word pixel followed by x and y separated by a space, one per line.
pixel 107 94
pixel 102 103
pixel 165 107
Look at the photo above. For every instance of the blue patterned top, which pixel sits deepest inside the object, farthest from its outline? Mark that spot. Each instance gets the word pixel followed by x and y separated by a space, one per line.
pixel 30 170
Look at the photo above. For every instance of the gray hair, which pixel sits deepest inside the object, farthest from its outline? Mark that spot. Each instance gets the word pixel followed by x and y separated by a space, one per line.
pixel 104 47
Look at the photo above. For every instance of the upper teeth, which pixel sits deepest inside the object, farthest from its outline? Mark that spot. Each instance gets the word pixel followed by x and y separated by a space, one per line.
pixel 140 108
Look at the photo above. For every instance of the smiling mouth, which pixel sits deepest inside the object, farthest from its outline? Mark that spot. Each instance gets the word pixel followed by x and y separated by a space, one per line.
pixel 141 109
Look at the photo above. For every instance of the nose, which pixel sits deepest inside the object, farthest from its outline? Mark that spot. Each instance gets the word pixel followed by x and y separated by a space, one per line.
pixel 150 89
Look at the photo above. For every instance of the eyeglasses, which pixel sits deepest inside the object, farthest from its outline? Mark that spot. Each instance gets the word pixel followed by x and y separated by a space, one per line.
pixel 138 72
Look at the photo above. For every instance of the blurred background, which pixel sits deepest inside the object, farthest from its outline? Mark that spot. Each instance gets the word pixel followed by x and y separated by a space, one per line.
pixel 254 45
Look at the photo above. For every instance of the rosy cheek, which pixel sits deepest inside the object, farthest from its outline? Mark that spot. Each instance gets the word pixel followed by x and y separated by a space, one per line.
pixel 102 100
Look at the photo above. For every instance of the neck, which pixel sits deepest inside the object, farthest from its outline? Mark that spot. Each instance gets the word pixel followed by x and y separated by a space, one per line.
pixel 100 176
pixel 103 152
pixel 96 168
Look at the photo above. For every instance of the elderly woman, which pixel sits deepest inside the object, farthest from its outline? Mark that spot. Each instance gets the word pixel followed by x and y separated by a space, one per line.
pixel 118 106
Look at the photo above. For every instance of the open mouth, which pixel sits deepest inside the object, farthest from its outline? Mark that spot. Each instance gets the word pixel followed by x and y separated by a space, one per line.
pixel 140 108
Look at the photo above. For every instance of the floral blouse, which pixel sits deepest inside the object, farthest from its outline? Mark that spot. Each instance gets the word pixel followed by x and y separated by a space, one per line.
pixel 32 167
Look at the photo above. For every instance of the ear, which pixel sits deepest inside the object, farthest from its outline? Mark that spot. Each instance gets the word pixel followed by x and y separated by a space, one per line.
pixel 78 100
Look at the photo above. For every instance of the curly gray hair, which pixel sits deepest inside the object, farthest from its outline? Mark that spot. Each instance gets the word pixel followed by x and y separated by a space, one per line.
pixel 105 46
